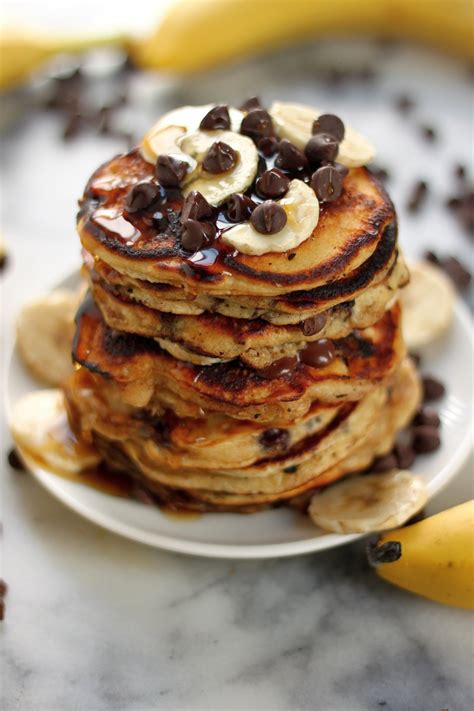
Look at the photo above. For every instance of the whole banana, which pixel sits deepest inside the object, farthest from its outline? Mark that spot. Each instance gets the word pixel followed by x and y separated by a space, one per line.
pixel 437 557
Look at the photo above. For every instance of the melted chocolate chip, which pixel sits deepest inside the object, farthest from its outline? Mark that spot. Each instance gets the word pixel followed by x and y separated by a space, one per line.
pixel 318 354
pixel 278 368
pixel 327 183
pixel 239 207
pixel 253 102
pixel 170 171
pixel 268 145
pixel 219 158
pixel 272 184
pixel 195 234
pixel 314 324
pixel 321 148
pixel 268 218
pixel 141 197
pixel 329 123
pixel 216 118
pixel 275 439
pixel 195 207
pixel 290 157
pixel 257 124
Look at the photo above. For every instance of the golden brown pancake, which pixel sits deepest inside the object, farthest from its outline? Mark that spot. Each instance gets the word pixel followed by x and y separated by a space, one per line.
pixel 148 376
pixel 360 224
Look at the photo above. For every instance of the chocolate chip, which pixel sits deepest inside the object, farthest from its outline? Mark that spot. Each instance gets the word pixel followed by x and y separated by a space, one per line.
pixel 170 171
pixel 141 197
pixel 387 552
pixel 275 439
pixel 429 134
pixel 418 196
pixel 219 158
pixel 216 118
pixel 257 124
pixel 15 461
pixel 318 354
pixel 268 218
pixel 314 324
pixel 321 148
pixel 327 183
pixel 404 103
pixel 329 123
pixel 427 416
pixel 239 207
pixel 253 102
pixel 384 464
pixel 405 455
pixel 278 368
pixel 342 169
pixel 416 358
pixel 268 145
pixel 432 389
pixel 272 184
pixel 291 469
pixel 3 261
pixel 425 439
pixel 195 234
pixel 460 172
pixel 3 588
pixel 195 207
pixel 290 157
pixel 291 256
pixel 457 272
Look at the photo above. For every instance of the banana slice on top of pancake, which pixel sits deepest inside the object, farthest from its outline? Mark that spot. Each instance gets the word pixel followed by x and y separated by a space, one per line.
pixel 294 122
pixel 302 213
pixel 427 304
pixel 373 502
pixel 40 427
pixel 44 330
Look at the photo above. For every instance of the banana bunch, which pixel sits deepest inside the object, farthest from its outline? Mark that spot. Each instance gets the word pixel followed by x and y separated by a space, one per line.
pixel 437 557
pixel 198 34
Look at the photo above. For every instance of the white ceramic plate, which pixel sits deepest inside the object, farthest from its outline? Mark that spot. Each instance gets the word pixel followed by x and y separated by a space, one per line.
pixel 279 532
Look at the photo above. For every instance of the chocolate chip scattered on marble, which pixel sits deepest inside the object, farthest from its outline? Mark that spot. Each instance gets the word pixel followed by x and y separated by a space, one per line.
pixel 454 268
pixel 404 103
pixel 418 196
pixel 268 218
pixel 429 133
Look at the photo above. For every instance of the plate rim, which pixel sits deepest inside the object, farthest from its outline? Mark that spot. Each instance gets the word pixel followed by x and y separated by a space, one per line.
pixel 215 550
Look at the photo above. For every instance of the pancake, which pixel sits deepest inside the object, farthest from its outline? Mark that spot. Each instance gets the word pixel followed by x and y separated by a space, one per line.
pixel 402 400
pixel 209 338
pixel 349 232
pixel 148 376
pixel 215 442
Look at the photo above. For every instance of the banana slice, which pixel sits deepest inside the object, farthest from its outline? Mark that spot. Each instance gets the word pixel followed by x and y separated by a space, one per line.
pixel 40 427
pixel 428 305
pixel 302 210
pixel 163 136
pixel 217 188
pixel 45 329
pixel 295 121
pixel 373 502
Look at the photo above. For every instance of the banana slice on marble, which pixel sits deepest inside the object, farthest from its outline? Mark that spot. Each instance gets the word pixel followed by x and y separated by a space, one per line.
pixel 44 330
pixel 373 502
pixel 218 188
pixel 40 427
pixel 302 211
pixel 163 137
pixel 427 304
pixel 294 122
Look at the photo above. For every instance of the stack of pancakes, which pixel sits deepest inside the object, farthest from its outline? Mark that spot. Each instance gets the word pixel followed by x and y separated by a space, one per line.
pixel 228 381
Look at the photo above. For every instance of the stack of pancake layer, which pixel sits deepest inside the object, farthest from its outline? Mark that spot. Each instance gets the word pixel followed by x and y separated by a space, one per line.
pixel 221 380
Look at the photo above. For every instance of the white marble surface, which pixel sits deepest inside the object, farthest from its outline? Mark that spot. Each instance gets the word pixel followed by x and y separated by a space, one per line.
pixel 95 622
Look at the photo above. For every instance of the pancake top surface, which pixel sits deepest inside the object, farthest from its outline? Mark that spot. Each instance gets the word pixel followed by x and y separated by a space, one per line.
pixel 149 246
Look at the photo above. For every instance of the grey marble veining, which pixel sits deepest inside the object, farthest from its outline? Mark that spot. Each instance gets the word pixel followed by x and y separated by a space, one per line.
pixel 95 622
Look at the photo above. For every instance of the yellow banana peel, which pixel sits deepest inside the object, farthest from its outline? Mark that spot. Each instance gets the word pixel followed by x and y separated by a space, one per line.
pixel 437 557
pixel 198 34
